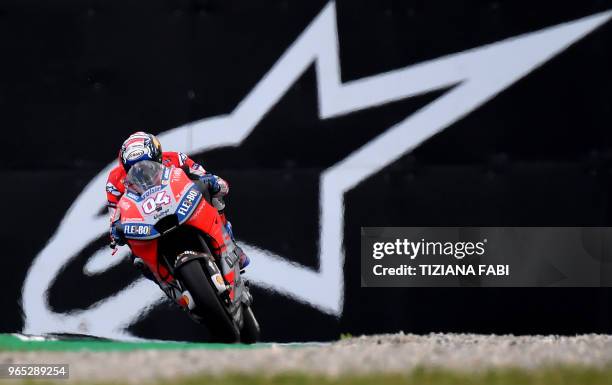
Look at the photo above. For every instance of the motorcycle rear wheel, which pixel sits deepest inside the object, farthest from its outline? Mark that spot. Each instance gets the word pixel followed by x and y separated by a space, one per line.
pixel 208 304
pixel 250 331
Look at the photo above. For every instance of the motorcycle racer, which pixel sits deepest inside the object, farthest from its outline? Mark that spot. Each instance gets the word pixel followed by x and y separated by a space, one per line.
pixel 144 146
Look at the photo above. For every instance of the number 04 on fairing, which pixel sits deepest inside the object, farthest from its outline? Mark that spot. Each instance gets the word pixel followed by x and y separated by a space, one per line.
pixel 168 221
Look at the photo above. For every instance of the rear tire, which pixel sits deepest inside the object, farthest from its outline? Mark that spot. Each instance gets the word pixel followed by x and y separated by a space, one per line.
pixel 250 332
pixel 208 305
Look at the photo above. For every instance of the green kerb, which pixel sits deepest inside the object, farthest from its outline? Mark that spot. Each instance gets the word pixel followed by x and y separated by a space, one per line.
pixel 9 342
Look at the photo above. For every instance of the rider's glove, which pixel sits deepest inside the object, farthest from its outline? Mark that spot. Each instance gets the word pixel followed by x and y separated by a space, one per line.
pixel 212 182
pixel 116 235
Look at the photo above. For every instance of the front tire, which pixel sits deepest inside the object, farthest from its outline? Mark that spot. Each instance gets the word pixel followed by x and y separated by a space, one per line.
pixel 208 305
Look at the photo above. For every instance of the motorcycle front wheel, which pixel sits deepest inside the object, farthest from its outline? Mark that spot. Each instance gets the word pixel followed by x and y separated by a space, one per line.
pixel 208 304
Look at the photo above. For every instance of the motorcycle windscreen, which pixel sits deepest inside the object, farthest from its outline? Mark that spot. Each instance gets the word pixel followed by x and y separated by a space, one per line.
pixel 143 176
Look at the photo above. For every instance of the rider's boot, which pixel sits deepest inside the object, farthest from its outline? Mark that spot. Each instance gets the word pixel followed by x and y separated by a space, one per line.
pixel 219 204
pixel 244 259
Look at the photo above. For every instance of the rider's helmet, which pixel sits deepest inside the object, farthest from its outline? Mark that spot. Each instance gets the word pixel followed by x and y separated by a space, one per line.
pixel 139 146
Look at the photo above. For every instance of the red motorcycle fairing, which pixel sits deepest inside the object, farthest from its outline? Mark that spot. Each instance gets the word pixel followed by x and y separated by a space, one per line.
pixel 204 217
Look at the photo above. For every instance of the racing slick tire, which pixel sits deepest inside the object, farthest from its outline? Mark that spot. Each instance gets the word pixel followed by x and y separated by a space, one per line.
pixel 208 305
pixel 250 331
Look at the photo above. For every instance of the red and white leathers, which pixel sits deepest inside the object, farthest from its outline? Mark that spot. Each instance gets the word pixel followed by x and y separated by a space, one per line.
pixel 115 185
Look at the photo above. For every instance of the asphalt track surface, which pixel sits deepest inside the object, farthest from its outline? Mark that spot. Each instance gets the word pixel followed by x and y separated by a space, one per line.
pixel 97 360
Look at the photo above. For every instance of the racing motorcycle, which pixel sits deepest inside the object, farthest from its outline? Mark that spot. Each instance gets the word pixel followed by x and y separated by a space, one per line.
pixel 168 220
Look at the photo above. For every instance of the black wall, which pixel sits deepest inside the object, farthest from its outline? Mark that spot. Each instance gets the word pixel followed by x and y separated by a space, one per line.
pixel 77 77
